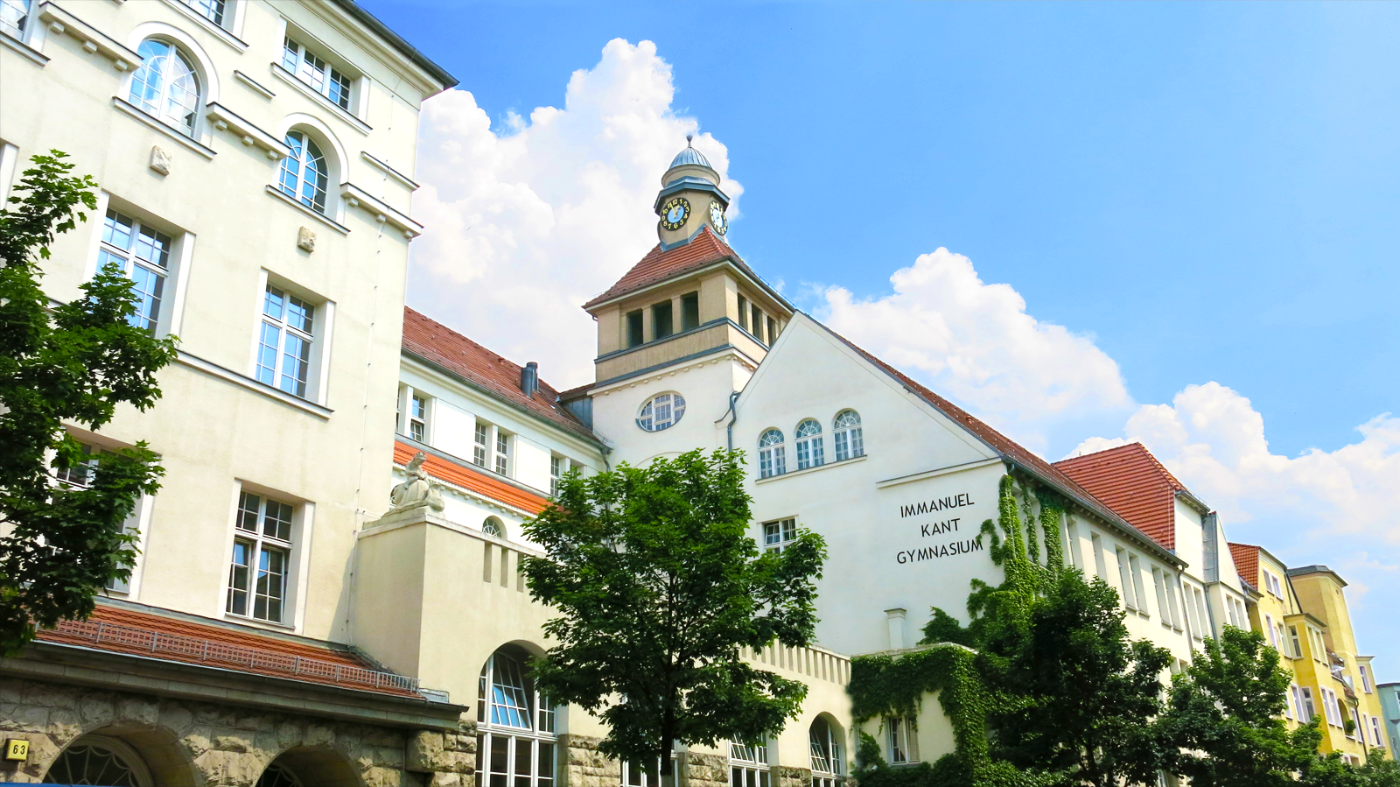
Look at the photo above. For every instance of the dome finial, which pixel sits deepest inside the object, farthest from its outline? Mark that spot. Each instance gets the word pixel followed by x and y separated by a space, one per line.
pixel 688 138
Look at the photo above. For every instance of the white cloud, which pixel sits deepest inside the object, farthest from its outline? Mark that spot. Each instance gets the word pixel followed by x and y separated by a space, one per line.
pixel 526 224
pixel 975 343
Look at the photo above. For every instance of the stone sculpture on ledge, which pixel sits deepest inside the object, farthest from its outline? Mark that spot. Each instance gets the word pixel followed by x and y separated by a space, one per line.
pixel 418 490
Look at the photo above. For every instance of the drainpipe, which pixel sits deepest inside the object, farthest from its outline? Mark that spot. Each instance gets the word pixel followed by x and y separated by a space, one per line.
pixel 733 416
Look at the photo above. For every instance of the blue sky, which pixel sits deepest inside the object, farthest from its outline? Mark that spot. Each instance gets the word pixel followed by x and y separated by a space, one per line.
pixel 1203 193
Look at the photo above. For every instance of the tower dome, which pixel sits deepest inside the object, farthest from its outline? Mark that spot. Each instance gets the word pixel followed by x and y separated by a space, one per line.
pixel 689 156
pixel 692 164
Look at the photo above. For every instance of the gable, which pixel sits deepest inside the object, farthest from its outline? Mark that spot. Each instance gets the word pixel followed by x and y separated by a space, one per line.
pixel 1134 484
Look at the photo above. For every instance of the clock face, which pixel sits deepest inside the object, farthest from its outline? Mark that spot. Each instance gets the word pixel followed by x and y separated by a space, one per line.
pixel 674 213
pixel 717 217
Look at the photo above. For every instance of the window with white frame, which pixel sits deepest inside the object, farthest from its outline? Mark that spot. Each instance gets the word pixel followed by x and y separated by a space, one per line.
pixel 14 18
pixel 1172 602
pixel 1365 677
pixel 901 740
pixel 1135 573
pixel 215 11
pixel 515 740
pixel 772 454
pixel 1269 627
pixel 1125 581
pixel 1376 731
pixel 142 254
pixel 1309 709
pixel 662 411
pixel 502 452
pixel 1292 707
pixel 558 466
pixel 166 86
pixel 81 475
pixel 493 527
pixel 826 754
pixel 810 450
pixel 1160 586
pixel 779 533
pixel 1297 644
pixel 1329 708
pixel 1201 614
pixel 262 558
pixel 748 765
pixel 285 341
pixel 1100 563
pixel 847 436
pixel 637 776
pixel 304 174
pixel 481 444
pixel 315 72
pixel 418 416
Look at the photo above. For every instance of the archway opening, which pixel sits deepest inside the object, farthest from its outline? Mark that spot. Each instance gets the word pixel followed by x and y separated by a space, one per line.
pixel 310 766
pixel 123 756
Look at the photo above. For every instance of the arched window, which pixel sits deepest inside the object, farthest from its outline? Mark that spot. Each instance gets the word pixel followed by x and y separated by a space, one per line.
pixel 166 86
pixel 515 741
pixel 810 451
pixel 662 411
pixel 304 173
pixel 845 431
pixel 278 776
pixel 14 16
pixel 97 759
pixel 493 527
pixel 828 764
pixel 772 455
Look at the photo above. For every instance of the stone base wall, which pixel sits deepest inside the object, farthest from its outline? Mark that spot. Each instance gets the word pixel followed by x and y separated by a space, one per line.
pixel 702 770
pixel 785 776
pixel 584 766
pixel 212 745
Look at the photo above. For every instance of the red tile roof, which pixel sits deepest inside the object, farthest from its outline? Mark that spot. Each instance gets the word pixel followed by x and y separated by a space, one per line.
pixel 1246 562
pixel 471 477
pixel 999 442
pixel 437 344
pixel 118 629
pixel 1133 483
pixel 703 250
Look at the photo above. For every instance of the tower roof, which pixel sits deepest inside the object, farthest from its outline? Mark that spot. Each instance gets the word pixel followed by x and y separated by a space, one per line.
pixel 690 156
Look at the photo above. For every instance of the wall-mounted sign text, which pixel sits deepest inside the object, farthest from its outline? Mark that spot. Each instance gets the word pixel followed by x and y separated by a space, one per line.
pixel 941 550
pixel 937 528
pixel 935 505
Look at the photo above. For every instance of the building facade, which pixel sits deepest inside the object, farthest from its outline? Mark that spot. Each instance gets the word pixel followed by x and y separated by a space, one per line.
pixel 1390 712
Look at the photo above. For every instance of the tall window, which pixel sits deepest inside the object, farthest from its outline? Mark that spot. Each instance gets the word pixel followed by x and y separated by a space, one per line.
pixel 213 10
pixel 810 450
pixel 635 333
pixel 1365 677
pixel 166 85
pixel 756 324
pixel 1135 573
pixel 304 174
pixel 662 411
pixel 748 765
pixel 262 551
pixel 828 764
pixel 312 70
pixel 558 466
pixel 418 417
pixel 690 311
pixel 772 456
pixel 143 254
pixel 662 320
pixel 846 433
pixel 778 534
pixel 1309 710
pixel 516 741
pixel 743 312
pixel 481 444
pixel 502 452
pixel 80 476
pixel 1129 597
pixel 901 740
pixel 284 346
pixel 636 776
pixel 14 16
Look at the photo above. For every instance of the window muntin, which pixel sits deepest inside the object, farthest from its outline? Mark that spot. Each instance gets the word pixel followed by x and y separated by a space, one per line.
pixel 772 454
pixel 901 740
pixel 14 17
pixel 166 86
pixel 481 444
pixel 418 417
pixel 810 450
pixel 213 10
pixel 97 759
pixel 748 765
pixel 284 344
pixel 304 174
pixel 662 411
pixel 324 79
pixel 278 775
pixel 143 254
pixel 516 747
pixel 502 452
pixel 778 534
pixel 493 527
pixel 846 434
pixel 261 563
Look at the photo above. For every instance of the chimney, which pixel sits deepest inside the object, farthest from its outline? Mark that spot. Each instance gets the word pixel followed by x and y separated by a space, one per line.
pixel 530 378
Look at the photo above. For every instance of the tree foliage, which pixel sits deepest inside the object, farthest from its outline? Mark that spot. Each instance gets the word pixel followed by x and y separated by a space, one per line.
pixel 658 586
pixel 68 363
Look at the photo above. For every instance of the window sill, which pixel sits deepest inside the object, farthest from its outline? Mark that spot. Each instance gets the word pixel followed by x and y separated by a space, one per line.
pixel 215 370
pixel 23 50
pixel 324 219
pixel 263 624
pixel 225 119
pixel 336 109
pixel 238 44
pixel 123 106
pixel 253 84
pixel 357 197
pixel 808 470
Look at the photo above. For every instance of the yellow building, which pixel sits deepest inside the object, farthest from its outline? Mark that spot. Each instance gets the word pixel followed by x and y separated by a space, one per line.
pixel 1302 612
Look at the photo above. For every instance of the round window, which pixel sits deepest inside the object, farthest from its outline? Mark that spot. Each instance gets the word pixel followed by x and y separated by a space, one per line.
pixel 662 411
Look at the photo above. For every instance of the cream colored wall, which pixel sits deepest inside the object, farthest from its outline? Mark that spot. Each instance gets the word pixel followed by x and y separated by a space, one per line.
pixel 215 428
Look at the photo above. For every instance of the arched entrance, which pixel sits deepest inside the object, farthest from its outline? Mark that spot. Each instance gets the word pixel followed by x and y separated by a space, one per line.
pixel 100 759
pixel 310 766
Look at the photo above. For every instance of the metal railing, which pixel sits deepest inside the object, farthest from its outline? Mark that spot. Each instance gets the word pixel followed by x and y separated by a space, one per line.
pixel 223 654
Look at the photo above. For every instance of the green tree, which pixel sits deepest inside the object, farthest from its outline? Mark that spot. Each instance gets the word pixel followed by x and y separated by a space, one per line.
pixel 1224 726
pixel 658 586
pixel 74 363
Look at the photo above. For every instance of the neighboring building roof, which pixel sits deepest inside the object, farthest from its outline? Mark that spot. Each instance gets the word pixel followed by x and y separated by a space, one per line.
pixel 165 636
pixel 469 476
pixel 1316 569
pixel 1246 558
pixel 705 249
pixel 397 42
pixel 431 341
pixel 1008 448
pixel 1132 482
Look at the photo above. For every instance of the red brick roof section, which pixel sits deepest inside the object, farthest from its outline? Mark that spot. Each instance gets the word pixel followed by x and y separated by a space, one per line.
pixel 437 344
pixel 1133 483
pixel 475 479
pixel 1246 562
pixel 703 250
pixel 116 629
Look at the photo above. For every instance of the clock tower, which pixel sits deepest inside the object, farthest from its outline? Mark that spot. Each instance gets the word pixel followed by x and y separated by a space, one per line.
pixel 690 199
